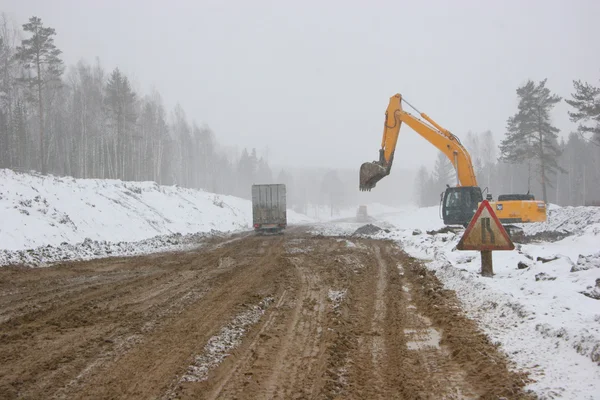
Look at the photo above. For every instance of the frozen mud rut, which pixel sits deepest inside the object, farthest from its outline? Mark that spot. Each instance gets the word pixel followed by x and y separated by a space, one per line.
pixel 282 317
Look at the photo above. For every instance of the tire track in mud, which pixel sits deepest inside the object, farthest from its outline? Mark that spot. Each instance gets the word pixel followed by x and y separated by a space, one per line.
pixel 168 353
pixel 351 318
pixel 300 355
pixel 370 341
pixel 378 322
pixel 235 369
pixel 286 357
pixel 104 321
pixel 294 335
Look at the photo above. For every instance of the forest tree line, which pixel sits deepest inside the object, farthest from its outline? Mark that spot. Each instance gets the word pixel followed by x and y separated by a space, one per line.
pixel 86 122
pixel 532 158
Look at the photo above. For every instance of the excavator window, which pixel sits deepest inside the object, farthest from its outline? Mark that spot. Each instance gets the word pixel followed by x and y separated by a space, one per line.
pixel 460 204
pixel 453 200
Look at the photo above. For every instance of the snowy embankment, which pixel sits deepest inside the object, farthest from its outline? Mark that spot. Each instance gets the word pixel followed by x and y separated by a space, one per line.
pixel 383 216
pixel 543 303
pixel 45 219
pixel 323 213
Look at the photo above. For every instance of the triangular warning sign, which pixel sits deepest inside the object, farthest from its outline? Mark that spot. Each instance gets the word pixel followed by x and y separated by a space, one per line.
pixel 485 232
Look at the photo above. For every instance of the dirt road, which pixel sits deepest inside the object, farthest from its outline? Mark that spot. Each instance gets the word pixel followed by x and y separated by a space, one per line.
pixel 281 317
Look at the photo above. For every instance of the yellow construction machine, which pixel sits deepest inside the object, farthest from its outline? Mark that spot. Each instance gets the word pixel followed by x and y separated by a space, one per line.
pixel 459 203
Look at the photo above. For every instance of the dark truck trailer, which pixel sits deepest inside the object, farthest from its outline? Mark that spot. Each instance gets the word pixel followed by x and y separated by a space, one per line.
pixel 269 209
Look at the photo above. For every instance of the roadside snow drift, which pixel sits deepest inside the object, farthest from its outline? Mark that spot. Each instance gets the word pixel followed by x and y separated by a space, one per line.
pixel 58 213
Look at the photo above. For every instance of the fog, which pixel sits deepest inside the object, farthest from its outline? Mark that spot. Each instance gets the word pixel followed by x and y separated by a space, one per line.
pixel 307 83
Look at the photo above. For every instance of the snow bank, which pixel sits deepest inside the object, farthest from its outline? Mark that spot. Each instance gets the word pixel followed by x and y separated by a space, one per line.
pixel 323 213
pixel 567 220
pixel 41 211
pixel 92 249
pixel 541 306
pixel 426 218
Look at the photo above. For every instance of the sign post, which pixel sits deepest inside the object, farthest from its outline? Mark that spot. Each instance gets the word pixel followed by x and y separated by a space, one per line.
pixel 486 234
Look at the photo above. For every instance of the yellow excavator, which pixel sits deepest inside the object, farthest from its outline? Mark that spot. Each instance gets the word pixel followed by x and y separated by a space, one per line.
pixel 459 203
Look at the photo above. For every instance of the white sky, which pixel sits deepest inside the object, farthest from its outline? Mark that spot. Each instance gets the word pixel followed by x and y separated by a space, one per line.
pixel 311 79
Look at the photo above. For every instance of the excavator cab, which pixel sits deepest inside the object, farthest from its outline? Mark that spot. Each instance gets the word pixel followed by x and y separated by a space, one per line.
pixel 459 204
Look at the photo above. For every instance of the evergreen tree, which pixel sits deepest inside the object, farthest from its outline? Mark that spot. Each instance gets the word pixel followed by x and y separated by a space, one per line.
pixel 5 142
pixel 333 189
pixel 40 54
pixel 120 111
pixel 19 127
pixel 264 171
pixel 474 147
pixel 422 184
pixel 586 103
pixel 488 156
pixel 182 134
pixel 444 172
pixel 244 174
pixel 530 135
pixel 284 177
pixel 206 155
pixel 253 165
pixel 287 179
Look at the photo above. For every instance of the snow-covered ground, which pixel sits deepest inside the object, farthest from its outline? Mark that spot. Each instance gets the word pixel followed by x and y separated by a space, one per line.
pixel 407 217
pixel 540 304
pixel 322 213
pixel 45 219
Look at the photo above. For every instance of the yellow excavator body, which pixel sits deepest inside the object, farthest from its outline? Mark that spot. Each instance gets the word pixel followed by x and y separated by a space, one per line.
pixel 458 203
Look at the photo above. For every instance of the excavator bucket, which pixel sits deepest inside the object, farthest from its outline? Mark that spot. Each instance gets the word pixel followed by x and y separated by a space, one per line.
pixel 370 174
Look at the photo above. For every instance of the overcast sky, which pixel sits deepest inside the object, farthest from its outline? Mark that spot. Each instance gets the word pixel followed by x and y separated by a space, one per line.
pixel 312 79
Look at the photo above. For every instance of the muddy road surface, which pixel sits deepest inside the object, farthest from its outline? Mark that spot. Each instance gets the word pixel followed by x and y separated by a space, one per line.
pixel 274 317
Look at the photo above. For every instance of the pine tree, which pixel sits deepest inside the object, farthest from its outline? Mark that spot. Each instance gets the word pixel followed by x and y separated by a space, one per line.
pixel 530 136
pixel 283 177
pixel 40 54
pixel 244 174
pixel 264 171
pixel 286 178
pixel 4 114
pixel 422 182
pixel 333 189
pixel 253 166
pixel 19 127
pixel 444 171
pixel 488 155
pixel 119 105
pixel 586 102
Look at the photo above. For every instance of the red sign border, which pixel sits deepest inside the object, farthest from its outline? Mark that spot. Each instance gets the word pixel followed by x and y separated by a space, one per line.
pixel 485 204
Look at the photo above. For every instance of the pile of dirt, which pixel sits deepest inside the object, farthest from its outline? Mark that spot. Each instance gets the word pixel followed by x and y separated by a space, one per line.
pixel 368 229
pixel 92 249
pixel 545 236
pixel 447 229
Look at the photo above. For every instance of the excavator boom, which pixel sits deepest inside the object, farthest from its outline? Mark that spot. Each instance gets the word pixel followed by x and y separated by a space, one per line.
pixel 373 172
pixel 444 140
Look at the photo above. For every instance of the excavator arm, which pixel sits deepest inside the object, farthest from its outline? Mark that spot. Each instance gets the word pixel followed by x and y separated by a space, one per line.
pixel 444 140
